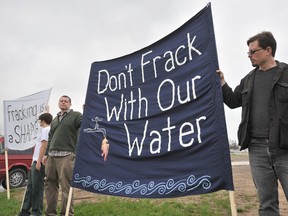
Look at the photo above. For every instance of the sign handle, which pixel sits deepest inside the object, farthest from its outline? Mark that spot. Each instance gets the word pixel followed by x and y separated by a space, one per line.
pixel 7 174
pixel 232 203
pixel 69 201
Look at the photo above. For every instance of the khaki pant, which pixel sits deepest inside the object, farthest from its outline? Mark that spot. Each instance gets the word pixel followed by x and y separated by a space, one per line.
pixel 59 171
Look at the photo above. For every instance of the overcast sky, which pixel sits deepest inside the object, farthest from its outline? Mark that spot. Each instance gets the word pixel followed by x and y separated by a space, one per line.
pixel 52 43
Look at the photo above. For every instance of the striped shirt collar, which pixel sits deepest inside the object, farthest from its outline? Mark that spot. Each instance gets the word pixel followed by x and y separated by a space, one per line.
pixel 62 115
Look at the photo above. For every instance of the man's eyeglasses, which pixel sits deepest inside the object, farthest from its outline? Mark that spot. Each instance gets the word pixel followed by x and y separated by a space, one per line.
pixel 251 52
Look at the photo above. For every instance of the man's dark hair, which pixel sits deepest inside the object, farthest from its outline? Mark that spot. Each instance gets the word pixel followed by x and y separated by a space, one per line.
pixel 265 39
pixel 67 97
pixel 46 117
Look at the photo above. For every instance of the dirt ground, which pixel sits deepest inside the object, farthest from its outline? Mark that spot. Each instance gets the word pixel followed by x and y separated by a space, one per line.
pixel 244 191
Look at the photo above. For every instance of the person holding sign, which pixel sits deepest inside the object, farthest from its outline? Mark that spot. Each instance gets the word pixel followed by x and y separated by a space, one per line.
pixel 33 199
pixel 60 156
pixel 263 96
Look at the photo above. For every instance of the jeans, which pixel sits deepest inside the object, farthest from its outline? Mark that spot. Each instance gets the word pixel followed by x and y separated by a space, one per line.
pixel 267 167
pixel 34 192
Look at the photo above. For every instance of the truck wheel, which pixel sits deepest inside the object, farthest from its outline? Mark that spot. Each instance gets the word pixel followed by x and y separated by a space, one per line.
pixel 17 178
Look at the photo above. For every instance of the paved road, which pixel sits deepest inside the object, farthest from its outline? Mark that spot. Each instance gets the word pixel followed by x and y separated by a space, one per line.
pixel 236 163
pixel 2 189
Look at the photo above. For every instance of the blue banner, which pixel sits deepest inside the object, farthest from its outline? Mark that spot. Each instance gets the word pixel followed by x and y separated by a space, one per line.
pixel 161 109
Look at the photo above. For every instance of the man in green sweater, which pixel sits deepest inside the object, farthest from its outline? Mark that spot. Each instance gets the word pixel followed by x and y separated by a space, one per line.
pixel 60 156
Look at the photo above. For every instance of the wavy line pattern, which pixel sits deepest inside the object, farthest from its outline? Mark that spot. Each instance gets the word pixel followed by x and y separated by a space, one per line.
pixel 163 188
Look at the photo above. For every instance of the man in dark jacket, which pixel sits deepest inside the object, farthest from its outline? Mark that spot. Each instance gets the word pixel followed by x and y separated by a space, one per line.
pixel 263 96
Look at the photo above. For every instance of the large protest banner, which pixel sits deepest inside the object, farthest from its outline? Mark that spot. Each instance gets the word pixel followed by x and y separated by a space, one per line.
pixel 161 109
pixel 21 125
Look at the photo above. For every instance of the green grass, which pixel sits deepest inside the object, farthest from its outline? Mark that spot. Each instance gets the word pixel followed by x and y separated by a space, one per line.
pixel 11 206
pixel 214 204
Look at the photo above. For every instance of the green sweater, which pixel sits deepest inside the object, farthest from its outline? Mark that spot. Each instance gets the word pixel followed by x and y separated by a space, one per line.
pixel 63 135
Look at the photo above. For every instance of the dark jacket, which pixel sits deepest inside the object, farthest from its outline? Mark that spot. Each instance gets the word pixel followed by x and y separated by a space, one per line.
pixel 278 107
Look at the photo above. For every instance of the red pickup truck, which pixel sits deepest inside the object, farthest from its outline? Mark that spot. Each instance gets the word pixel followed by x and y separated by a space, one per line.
pixel 19 163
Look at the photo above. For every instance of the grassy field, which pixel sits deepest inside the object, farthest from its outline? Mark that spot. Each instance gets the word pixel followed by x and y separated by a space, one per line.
pixel 214 204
